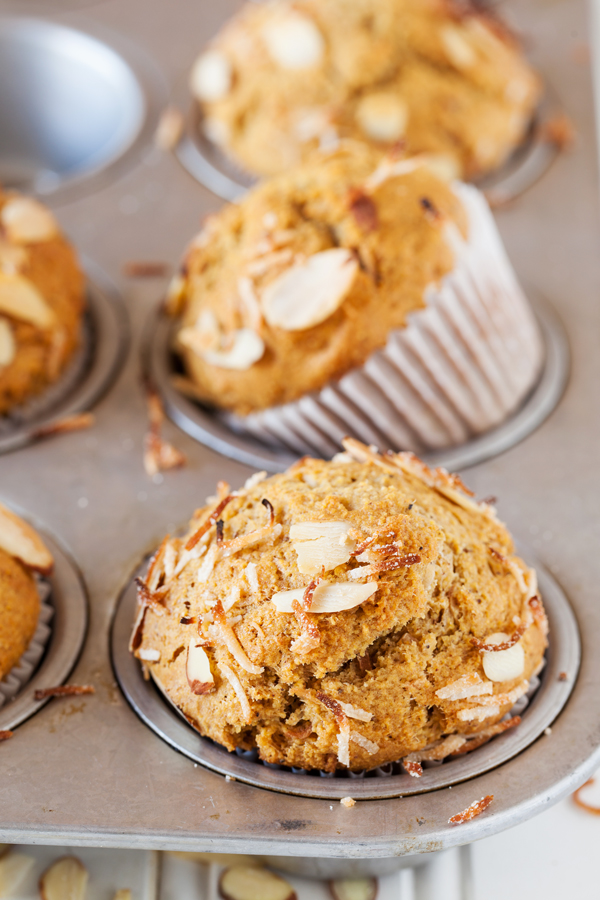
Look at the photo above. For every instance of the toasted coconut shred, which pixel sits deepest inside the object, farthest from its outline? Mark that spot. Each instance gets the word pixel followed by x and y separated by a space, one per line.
pixel 472 811
pixel 582 804
pixel 236 684
pixel 222 631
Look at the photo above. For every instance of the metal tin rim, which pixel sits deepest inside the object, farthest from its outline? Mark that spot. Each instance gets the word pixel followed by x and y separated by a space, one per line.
pixel 69 626
pixel 209 165
pixel 150 705
pixel 150 82
pixel 109 337
pixel 210 430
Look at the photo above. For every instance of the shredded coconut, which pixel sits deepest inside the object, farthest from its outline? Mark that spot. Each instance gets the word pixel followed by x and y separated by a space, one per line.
pixel 236 684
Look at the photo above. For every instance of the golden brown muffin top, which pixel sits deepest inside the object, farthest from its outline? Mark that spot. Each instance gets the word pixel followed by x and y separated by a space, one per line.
pixel 19 610
pixel 41 299
pixel 284 78
pixel 400 580
pixel 306 276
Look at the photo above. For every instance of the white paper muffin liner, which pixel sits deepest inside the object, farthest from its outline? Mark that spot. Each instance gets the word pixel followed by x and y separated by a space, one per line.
pixel 460 366
pixel 20 674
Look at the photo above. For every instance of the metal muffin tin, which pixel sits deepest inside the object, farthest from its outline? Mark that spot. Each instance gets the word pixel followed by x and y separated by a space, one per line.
pixel 95 774
pixel 68 627
pixel 165 720
pixel 217 171
pixel 205 425
pixel 104 344
pixel 74 108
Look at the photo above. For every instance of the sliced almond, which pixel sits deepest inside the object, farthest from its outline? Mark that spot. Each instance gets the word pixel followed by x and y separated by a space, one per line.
pixel 310 292
pixel 12 257
pixel 8 347
pixel 382 116
pixel 197 669
pixel 247 347
pixel 14 868
pixel 211 76
pixel 318 545
pixel 251 883
pixel 21 300
pixel 66 879
pixel 148 654
pixel 457 48
pixel 294 41
pixel 327 598
pixel 353 889
pixel 19 539
pixel 503 665
pixel 25 221
pixel 123 894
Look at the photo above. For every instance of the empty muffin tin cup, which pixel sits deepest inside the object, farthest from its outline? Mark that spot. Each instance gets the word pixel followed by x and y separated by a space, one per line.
pixel 55 647
pixel 563 656
pixel 75 107
pixel 88 375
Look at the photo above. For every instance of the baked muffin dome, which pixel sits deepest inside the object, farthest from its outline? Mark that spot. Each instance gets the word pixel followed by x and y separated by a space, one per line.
pixel 342 615
pixel 356 295
pixel 19 610
pixel 282 79
pixel 41 300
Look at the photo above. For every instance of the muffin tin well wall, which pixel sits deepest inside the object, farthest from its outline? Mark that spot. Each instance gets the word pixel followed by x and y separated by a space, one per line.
pixel 92 772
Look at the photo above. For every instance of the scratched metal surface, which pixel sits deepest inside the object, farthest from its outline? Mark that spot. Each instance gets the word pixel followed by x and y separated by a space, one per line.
pixel 92 773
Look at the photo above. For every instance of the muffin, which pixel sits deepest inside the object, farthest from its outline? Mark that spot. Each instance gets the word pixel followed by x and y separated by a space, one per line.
pixel 22 552
pixel 41 300
pixel 356 296
pixel 343 615
pixel 435 76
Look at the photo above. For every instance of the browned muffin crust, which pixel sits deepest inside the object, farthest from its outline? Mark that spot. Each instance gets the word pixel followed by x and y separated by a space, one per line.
pixel 19 610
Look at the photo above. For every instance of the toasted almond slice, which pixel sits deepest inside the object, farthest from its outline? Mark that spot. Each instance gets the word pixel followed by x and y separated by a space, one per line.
pixel 310 292
pixel 318 546
pixel 503 665
pixel 327 598
pixel 14 868
pixel 21 300
pixel 8 347
pixel 66 879
pixel 123 894
pixel 457 48
pixel 382 116
pixel 251 883
pixel 26 221
pixel 467 686
pixel 294 41
pixel 19 539
pixel 246 349
pixel 353 889
pixel 149 654
pixel 197 669
pixel 211 76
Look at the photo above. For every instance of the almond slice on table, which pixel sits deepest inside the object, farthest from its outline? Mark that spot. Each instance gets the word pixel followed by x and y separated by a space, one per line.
pixel 321 545
pixel 211 76
pixel 8 347
pixel 123 894
pixel 19 539
pixel 294 41
pixel 310 292
pixel 66 879
pixel 353 889
pixel 14 868
pixel 251 883
pixel 327 598
pixel 503 665
pixel 25 221
pixel 197 669
pixel 21 300
pixel 382 116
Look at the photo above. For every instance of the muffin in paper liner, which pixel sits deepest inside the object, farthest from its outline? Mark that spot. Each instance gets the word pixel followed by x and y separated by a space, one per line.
pixel 461 365
pixel 20 674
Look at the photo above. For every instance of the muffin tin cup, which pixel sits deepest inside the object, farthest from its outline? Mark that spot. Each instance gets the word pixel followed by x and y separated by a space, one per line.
pixel 95 365
pixel 220 173
pixel 151 705
pixel 458 368
pixel 68 625
pixel 76 106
